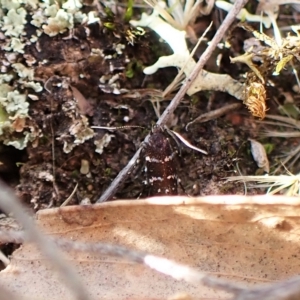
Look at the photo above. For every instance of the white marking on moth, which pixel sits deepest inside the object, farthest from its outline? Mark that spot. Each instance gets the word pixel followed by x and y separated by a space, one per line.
pixel 168 158
pixel 152 179
pixel 171 176
pixel 154 160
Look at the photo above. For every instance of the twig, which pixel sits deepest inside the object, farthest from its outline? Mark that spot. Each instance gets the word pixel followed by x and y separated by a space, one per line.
pixel 10 204
pixel 215 114
pixel 121 177
pixel 238 5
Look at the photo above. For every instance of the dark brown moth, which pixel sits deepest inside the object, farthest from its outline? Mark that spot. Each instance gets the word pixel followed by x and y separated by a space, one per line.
pixel 160 164
pixel 160 161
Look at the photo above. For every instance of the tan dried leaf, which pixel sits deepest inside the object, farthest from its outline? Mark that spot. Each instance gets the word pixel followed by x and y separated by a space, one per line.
pixel 228 237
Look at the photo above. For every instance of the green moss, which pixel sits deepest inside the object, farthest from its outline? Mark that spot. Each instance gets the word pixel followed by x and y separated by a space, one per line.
pixel 269 147
pixel 129 70
pixel 107 172
pixel 109 25
pixel 194 100
pixel 75 174
pixel 129 11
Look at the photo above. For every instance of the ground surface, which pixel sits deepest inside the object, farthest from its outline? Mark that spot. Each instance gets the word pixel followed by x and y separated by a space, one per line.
pixel 74 99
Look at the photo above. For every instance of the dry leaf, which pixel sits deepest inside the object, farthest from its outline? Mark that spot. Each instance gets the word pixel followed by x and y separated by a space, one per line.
pixel 245 239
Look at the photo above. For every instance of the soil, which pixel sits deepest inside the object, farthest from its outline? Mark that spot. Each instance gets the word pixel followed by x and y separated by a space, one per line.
pixel 57 166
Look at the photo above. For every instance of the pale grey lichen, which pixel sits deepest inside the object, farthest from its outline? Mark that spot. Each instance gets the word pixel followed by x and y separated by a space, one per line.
pixel 59 24
pixel 119 48
pixel 26 77
pixel 51 10
pixel 15 104
pixel 10 4
pixel 72 5
pixel 14 21
pixel 103 142
pixel 20 143
pixel 244 14
pixel 15 45
pixel 5 78
pixel 80 131
pixel 36 86
pixel 91 18
pixel 38 18
pixel 23 71
pixel 18 84
pixel 13 112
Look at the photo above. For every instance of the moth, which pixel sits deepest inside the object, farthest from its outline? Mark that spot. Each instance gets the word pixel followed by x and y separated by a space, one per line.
pixel 160 164
pixel 160 161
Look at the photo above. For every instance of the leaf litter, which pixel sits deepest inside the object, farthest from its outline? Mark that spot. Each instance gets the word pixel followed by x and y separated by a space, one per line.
pixel 250 240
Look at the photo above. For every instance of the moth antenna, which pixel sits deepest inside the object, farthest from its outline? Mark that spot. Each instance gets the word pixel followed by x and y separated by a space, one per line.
pixel 184 141
pixel 117 127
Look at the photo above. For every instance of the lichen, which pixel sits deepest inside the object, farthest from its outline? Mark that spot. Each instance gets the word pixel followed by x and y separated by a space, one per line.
pixel 15 104
pixel 22 71
pixel 13 112
pixel 18 83
pixel 38 18
pixel 14 21
pixel 59 24
pixel 36 86
pixel 181 58
pixel 10 4
pixel 103 142
pixel 79 132
pixel 15 45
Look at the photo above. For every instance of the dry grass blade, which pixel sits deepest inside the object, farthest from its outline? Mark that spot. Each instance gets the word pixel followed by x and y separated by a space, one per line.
pixel 282 119
pixel 287 123
pixel 284 134
pixel 289 184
